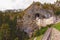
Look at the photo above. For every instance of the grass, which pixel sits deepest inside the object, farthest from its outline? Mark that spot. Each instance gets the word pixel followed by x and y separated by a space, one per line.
pixel 57 26
pixel 42 31
pixel 39 37
pixel 39 33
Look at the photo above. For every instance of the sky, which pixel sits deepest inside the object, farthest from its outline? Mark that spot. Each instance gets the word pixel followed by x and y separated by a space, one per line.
pixel 19 4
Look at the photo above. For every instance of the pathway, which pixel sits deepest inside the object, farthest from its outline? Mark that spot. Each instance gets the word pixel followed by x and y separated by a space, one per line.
pixel 47 34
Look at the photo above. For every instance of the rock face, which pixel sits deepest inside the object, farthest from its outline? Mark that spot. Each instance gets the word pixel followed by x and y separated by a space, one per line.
pixel 35 17
pixel 55 34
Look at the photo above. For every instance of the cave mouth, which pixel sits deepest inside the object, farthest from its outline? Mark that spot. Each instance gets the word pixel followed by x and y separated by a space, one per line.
pixel 37 15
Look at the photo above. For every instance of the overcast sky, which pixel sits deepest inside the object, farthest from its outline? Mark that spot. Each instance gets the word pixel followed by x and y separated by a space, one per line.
pixel 19 4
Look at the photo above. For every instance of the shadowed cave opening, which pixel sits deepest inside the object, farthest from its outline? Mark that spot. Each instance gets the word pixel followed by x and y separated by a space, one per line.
pixel 37 15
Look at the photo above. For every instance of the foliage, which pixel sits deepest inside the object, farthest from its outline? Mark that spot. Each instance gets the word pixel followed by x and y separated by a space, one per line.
pixel 47 6
pixel 57 26
pixel 16 38
pixel 1 19
pixel 41 31
pixel 8 29
pixel 57 12
pixel 38 3
pixel 4 32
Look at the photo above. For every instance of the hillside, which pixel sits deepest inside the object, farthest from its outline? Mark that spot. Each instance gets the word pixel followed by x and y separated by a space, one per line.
pixel 11 22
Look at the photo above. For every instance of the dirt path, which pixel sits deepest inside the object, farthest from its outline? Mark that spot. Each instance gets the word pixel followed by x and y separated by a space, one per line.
pixel 47 34
pixel 55 34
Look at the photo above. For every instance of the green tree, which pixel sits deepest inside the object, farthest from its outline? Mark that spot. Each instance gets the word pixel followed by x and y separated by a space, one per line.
pixel 12 25
pixel 57 12
pixel 1 18
pixel 4 32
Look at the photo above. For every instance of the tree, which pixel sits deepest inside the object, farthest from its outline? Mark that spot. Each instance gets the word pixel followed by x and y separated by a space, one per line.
pixel 1 18
pixel 57 12
pixel 12 25
pixel 5 32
